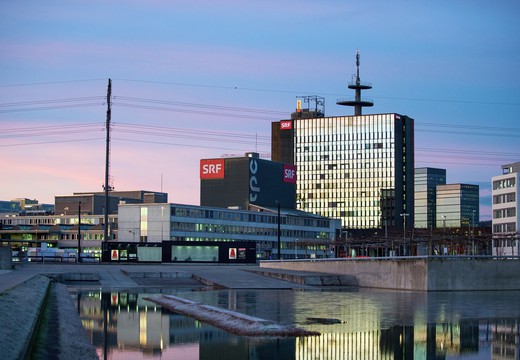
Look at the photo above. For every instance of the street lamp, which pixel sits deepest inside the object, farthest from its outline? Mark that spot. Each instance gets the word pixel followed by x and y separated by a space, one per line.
pixel 79 232
pixel 279 232
pixel 404 215
pixel 472 231
pixel 443 233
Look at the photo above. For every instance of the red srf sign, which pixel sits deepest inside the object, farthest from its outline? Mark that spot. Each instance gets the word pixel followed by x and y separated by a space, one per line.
pixel 212 169
pixel 289 173
pixel 285 125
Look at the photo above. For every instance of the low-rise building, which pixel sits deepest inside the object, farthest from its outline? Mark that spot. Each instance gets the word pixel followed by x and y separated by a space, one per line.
pixel 302 234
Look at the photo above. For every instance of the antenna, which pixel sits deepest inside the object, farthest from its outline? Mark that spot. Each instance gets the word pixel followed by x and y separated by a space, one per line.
pixel 357 85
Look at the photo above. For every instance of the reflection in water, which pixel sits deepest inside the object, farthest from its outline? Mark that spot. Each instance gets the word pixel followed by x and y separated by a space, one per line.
pixel 371 325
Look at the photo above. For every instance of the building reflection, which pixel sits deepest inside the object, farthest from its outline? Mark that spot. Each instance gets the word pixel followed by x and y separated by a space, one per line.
pixel 121 322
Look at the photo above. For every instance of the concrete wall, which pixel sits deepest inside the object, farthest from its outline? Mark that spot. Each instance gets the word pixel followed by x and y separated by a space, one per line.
pixel 418 274
pixel 473 274
pixel 6 258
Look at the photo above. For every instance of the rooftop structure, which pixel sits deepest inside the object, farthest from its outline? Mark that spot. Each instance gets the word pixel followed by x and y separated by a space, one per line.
pixel 358 102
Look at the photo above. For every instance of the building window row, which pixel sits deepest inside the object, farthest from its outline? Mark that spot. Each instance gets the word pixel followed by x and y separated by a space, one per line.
pixel 260 218
pixel 504 228
pixel 504 183
pixel 504 213
pixel 245 230
pixel 504 198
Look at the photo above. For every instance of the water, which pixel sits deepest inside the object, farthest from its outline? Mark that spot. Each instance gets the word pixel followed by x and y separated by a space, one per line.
pixel 364 324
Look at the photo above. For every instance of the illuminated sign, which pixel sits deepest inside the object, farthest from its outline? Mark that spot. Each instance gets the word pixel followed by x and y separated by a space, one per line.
pixel 289 173
pixel 212 169
pixel 232 253
pixel 254 189
pixel 114 255
pixel 285 125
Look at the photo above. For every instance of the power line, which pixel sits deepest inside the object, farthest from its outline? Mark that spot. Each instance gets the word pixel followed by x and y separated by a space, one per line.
pixel 183 145
pixel 50 82
pixel 159 108
pixel 50 142
pixel 299 92
pixel 199 105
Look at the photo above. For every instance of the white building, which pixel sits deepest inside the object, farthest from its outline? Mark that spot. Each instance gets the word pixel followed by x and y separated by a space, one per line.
pixel 302 234
pixel 506 200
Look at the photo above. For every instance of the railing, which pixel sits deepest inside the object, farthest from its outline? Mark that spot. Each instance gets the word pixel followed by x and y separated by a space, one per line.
pixel 353 99
pixel 393 258
pixel 24 259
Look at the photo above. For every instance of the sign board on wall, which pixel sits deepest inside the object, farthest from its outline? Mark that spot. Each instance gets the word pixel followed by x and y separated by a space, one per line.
pixel 285 125
pixel 212 169
pixel 289 173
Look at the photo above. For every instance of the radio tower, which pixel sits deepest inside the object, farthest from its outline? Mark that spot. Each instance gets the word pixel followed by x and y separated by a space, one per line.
pixel 358 103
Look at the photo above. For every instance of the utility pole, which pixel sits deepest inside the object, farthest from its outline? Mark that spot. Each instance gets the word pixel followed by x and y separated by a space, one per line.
pixel 104 251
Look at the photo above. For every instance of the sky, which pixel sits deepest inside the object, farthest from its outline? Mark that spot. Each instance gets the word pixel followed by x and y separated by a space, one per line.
pixel 198 79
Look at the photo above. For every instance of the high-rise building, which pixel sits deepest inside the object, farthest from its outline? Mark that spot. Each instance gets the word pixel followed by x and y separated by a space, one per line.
pixel 506 218
pixel 425 197
pixel 356 168
pixel 457 206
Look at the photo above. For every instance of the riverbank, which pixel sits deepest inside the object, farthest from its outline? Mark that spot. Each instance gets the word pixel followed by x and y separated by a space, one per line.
pixel 39 320
pixel 32 298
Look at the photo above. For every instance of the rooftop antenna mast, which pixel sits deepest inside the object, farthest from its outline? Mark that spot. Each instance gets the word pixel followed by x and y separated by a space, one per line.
pixel 357 85
pixel 107 169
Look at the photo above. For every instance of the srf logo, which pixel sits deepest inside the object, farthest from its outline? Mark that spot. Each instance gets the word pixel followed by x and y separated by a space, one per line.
pixel 212 169
pixel 285 125
pixel 289 173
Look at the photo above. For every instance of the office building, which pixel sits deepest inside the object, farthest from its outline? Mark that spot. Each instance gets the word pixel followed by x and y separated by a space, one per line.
pixel 425 195
pixel 457 206
pixel 244 181
pixel 506 200
pixel 93 203
pixel 359 169
pixel 302 235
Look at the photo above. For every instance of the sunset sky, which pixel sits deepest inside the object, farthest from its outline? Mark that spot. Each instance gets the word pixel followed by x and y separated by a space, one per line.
pixel 203 79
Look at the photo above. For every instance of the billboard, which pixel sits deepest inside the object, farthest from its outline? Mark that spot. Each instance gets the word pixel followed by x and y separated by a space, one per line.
pixel 212 169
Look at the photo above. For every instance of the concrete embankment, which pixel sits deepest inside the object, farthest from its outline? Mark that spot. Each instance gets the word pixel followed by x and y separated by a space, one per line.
pixel 21 316
pixel 21 307
pixel 416 273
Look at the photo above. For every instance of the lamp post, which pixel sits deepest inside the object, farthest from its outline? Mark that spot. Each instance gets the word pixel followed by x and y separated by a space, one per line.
pixel 472 230
pixel 79 232
pixel 443 233
pixel 279 232
pixel 404 215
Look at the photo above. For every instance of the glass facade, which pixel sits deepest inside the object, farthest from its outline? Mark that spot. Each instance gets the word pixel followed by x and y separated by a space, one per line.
pixel 355 168
pixel 425 185
pixel 457 205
